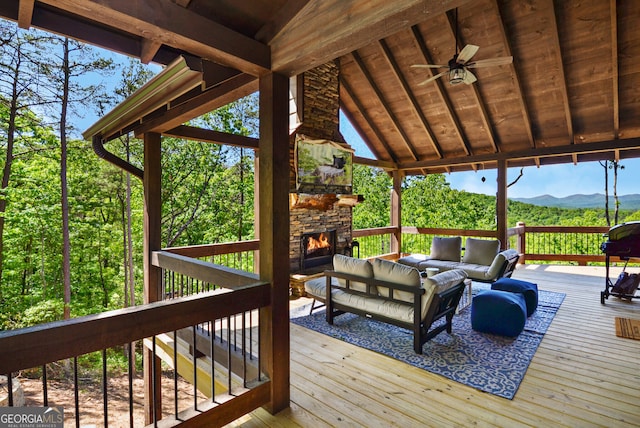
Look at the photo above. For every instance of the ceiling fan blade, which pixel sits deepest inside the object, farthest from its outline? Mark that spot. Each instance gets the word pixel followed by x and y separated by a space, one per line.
pixel 431 79
pixel 429 66
pixel 469 78
pixel 490 62
pixel 466 53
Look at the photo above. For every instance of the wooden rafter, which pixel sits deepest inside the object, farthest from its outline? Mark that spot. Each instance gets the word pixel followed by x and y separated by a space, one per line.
pixel 415 106
pixel 484 118
pixel 367 119
pixel 212 136
pixel 422 46
pixel 25 13
pixel 381 99
pixel 177 27
pixel 614 69
pixel 557 49
pixel 526 117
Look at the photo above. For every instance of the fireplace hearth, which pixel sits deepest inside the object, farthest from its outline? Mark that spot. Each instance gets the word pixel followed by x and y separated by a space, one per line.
pixel 317 249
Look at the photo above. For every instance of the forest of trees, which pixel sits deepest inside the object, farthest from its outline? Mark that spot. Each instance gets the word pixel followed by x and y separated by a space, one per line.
pixel 71 223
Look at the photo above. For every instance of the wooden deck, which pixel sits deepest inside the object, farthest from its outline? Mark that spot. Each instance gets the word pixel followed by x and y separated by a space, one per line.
pixel 582 374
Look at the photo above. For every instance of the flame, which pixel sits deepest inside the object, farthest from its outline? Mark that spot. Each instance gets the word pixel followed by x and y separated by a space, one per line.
pixel 316 244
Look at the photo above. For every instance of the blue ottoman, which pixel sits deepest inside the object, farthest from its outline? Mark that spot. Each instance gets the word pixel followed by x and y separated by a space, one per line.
pixel 498 312
pixel 528 289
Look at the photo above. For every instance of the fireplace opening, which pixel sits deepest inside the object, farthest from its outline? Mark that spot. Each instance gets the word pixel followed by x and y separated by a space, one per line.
pixel 317 248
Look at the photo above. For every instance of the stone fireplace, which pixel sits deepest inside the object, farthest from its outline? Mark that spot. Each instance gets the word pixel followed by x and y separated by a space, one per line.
pixel 318 104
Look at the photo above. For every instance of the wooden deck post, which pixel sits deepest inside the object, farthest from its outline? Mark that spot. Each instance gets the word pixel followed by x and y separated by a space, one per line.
pixel 501 205
pixel 152 275
pixel 396 212
pixel 274 234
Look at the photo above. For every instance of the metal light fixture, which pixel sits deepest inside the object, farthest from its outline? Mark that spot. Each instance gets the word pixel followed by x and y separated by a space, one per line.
pixel 456 75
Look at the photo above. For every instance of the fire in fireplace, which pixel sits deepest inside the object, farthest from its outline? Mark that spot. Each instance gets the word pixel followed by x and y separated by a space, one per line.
pixel 317 248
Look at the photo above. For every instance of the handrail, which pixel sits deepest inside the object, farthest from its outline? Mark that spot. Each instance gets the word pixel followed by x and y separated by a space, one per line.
pixel 215 249
pixel 204 271
pixel 46 343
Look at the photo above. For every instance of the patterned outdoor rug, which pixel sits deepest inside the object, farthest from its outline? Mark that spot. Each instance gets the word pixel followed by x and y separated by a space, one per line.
pixel 483 361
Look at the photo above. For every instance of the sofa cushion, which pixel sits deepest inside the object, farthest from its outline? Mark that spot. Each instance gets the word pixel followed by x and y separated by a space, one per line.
pixel 413 260
pixel 353 266
pixel 439 283
pixel 481 251
pixel 397 273
pixel 446 248
pixel 499 261
pixel 316 287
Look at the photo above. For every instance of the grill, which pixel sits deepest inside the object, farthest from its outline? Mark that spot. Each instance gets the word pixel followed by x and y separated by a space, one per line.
pixel 623 242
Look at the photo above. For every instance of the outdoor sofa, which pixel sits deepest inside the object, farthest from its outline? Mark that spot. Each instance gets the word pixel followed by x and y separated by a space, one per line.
pixel 481 259
pixel 389 292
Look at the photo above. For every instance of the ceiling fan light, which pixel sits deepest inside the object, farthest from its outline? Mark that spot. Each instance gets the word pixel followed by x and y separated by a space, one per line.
pixel 457 75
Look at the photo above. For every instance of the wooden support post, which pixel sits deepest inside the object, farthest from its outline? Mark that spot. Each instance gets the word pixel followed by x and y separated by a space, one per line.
pixel 274 235
pixel 396 212
pixel 501 204
pixel 152 275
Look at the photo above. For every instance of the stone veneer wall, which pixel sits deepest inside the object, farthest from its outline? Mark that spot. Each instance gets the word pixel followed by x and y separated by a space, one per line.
pixel 320 120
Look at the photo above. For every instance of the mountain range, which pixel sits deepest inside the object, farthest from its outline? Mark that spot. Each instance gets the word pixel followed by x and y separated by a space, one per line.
pixel 596 200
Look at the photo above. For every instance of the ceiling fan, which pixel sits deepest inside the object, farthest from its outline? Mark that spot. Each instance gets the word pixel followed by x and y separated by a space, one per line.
pixel 458 66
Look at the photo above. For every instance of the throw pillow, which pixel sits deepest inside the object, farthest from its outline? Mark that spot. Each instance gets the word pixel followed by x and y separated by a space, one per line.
pixel 353 266
pixel 481 251
pixel 446 248
pixel 397 273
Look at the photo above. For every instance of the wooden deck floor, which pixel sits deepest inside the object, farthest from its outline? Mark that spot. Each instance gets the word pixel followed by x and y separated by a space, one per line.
pixel 582 374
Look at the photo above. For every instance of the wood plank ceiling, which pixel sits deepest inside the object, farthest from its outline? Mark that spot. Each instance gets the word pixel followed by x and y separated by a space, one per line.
pixel 571 94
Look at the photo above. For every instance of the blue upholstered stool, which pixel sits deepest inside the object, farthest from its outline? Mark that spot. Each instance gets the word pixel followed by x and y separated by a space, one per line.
pixel 498 312
pixel 528 289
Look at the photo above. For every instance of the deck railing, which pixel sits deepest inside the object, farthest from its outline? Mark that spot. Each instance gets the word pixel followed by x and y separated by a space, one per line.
pixel 564 244
pixel 207 338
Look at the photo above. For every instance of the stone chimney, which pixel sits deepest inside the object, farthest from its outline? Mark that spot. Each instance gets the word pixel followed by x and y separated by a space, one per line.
pixel 318 99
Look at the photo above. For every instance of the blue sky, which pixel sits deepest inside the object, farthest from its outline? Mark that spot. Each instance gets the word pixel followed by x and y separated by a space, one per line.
pixel 556 180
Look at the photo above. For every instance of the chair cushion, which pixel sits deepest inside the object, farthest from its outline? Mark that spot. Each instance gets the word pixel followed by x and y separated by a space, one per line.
pixel 447 249
pixel 498 312
pixel 353 266
pixel 481 251
pixel 528 289
pixel 397 273
pixel 413 260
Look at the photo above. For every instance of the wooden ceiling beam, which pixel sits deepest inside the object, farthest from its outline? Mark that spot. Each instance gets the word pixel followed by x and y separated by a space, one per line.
pixel 347 88
pixel 285 15
pixel 557 48
pixel 207 101
pixel 526 117
pixel 614 69
pixel 25 13
pixel 172 25
pixel 415 106
pixel 540 152
pixel 323 30
pixel 385 105
pixel 148 50
pixel 211 136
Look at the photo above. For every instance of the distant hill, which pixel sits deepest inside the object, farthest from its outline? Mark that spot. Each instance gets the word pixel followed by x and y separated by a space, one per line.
pixel 596 200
